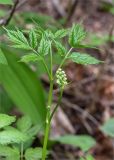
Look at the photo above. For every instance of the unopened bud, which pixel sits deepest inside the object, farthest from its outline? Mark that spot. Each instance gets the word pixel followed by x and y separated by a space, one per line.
pixel 61 77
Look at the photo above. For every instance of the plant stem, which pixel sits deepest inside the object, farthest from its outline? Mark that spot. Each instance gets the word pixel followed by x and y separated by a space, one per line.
pixel 61 64
pixel 51 62
pixel 45 141
pixel 46 68
pixel 21 151
pixel 47 121
pixel 65 58
pixel 57 105
pixel 43 61
pixel 50 75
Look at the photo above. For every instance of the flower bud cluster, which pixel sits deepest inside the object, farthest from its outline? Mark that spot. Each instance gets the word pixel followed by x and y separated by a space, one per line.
pixel 61 78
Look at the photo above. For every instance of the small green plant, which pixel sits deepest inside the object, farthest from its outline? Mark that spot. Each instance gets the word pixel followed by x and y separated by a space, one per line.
pixel 108 6
pixel 45 43
pixel 14 141
pixel 8 2
pixel 108 128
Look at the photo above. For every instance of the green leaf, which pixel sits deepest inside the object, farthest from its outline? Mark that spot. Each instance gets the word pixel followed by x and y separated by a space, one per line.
pixel 21 37
pixel 61 33
pixel 32 133
pixel 61 49
pixel 33 39
pixel 21 46
pixel 34 130
pixel 12 136
pixel 83 58
pixel 6 120
pixel 44 46
pixel 83 141
pixel 49 34
pixel 3 59
pixel 30 58
pixel 9 2
pixel 10 128
pixel 24 88
pixel 85 46
pixel 77 34
pixel 24 124
pixel 18 38
pixel 108 127
pixel 6 104
pixel 33 154
pixel 88 157
pixel 9 153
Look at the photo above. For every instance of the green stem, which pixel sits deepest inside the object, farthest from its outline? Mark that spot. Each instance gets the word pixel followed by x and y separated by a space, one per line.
pixel 51 61
pixel 43 61
pixel 61 64
pixel 46 68
pixel 48 107
pixel 65 58
pixel 21 151
pixel 47 121
pixel 45 141
pixel 57 105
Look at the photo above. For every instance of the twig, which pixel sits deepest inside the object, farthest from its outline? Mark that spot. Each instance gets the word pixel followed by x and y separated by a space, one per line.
pixel 83 116
pixel 80 110
pixel 71 11
pixel 57 6
pixel 21 3
pixel 7 20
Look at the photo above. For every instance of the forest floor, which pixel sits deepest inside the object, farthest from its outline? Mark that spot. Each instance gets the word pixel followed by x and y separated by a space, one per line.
pixel 89 100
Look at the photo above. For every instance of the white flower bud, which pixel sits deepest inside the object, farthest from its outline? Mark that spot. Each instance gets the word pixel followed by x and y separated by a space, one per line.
pixel 61 77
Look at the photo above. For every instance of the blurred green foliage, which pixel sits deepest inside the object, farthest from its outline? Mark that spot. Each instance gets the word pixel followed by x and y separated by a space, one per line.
pixel 23 87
